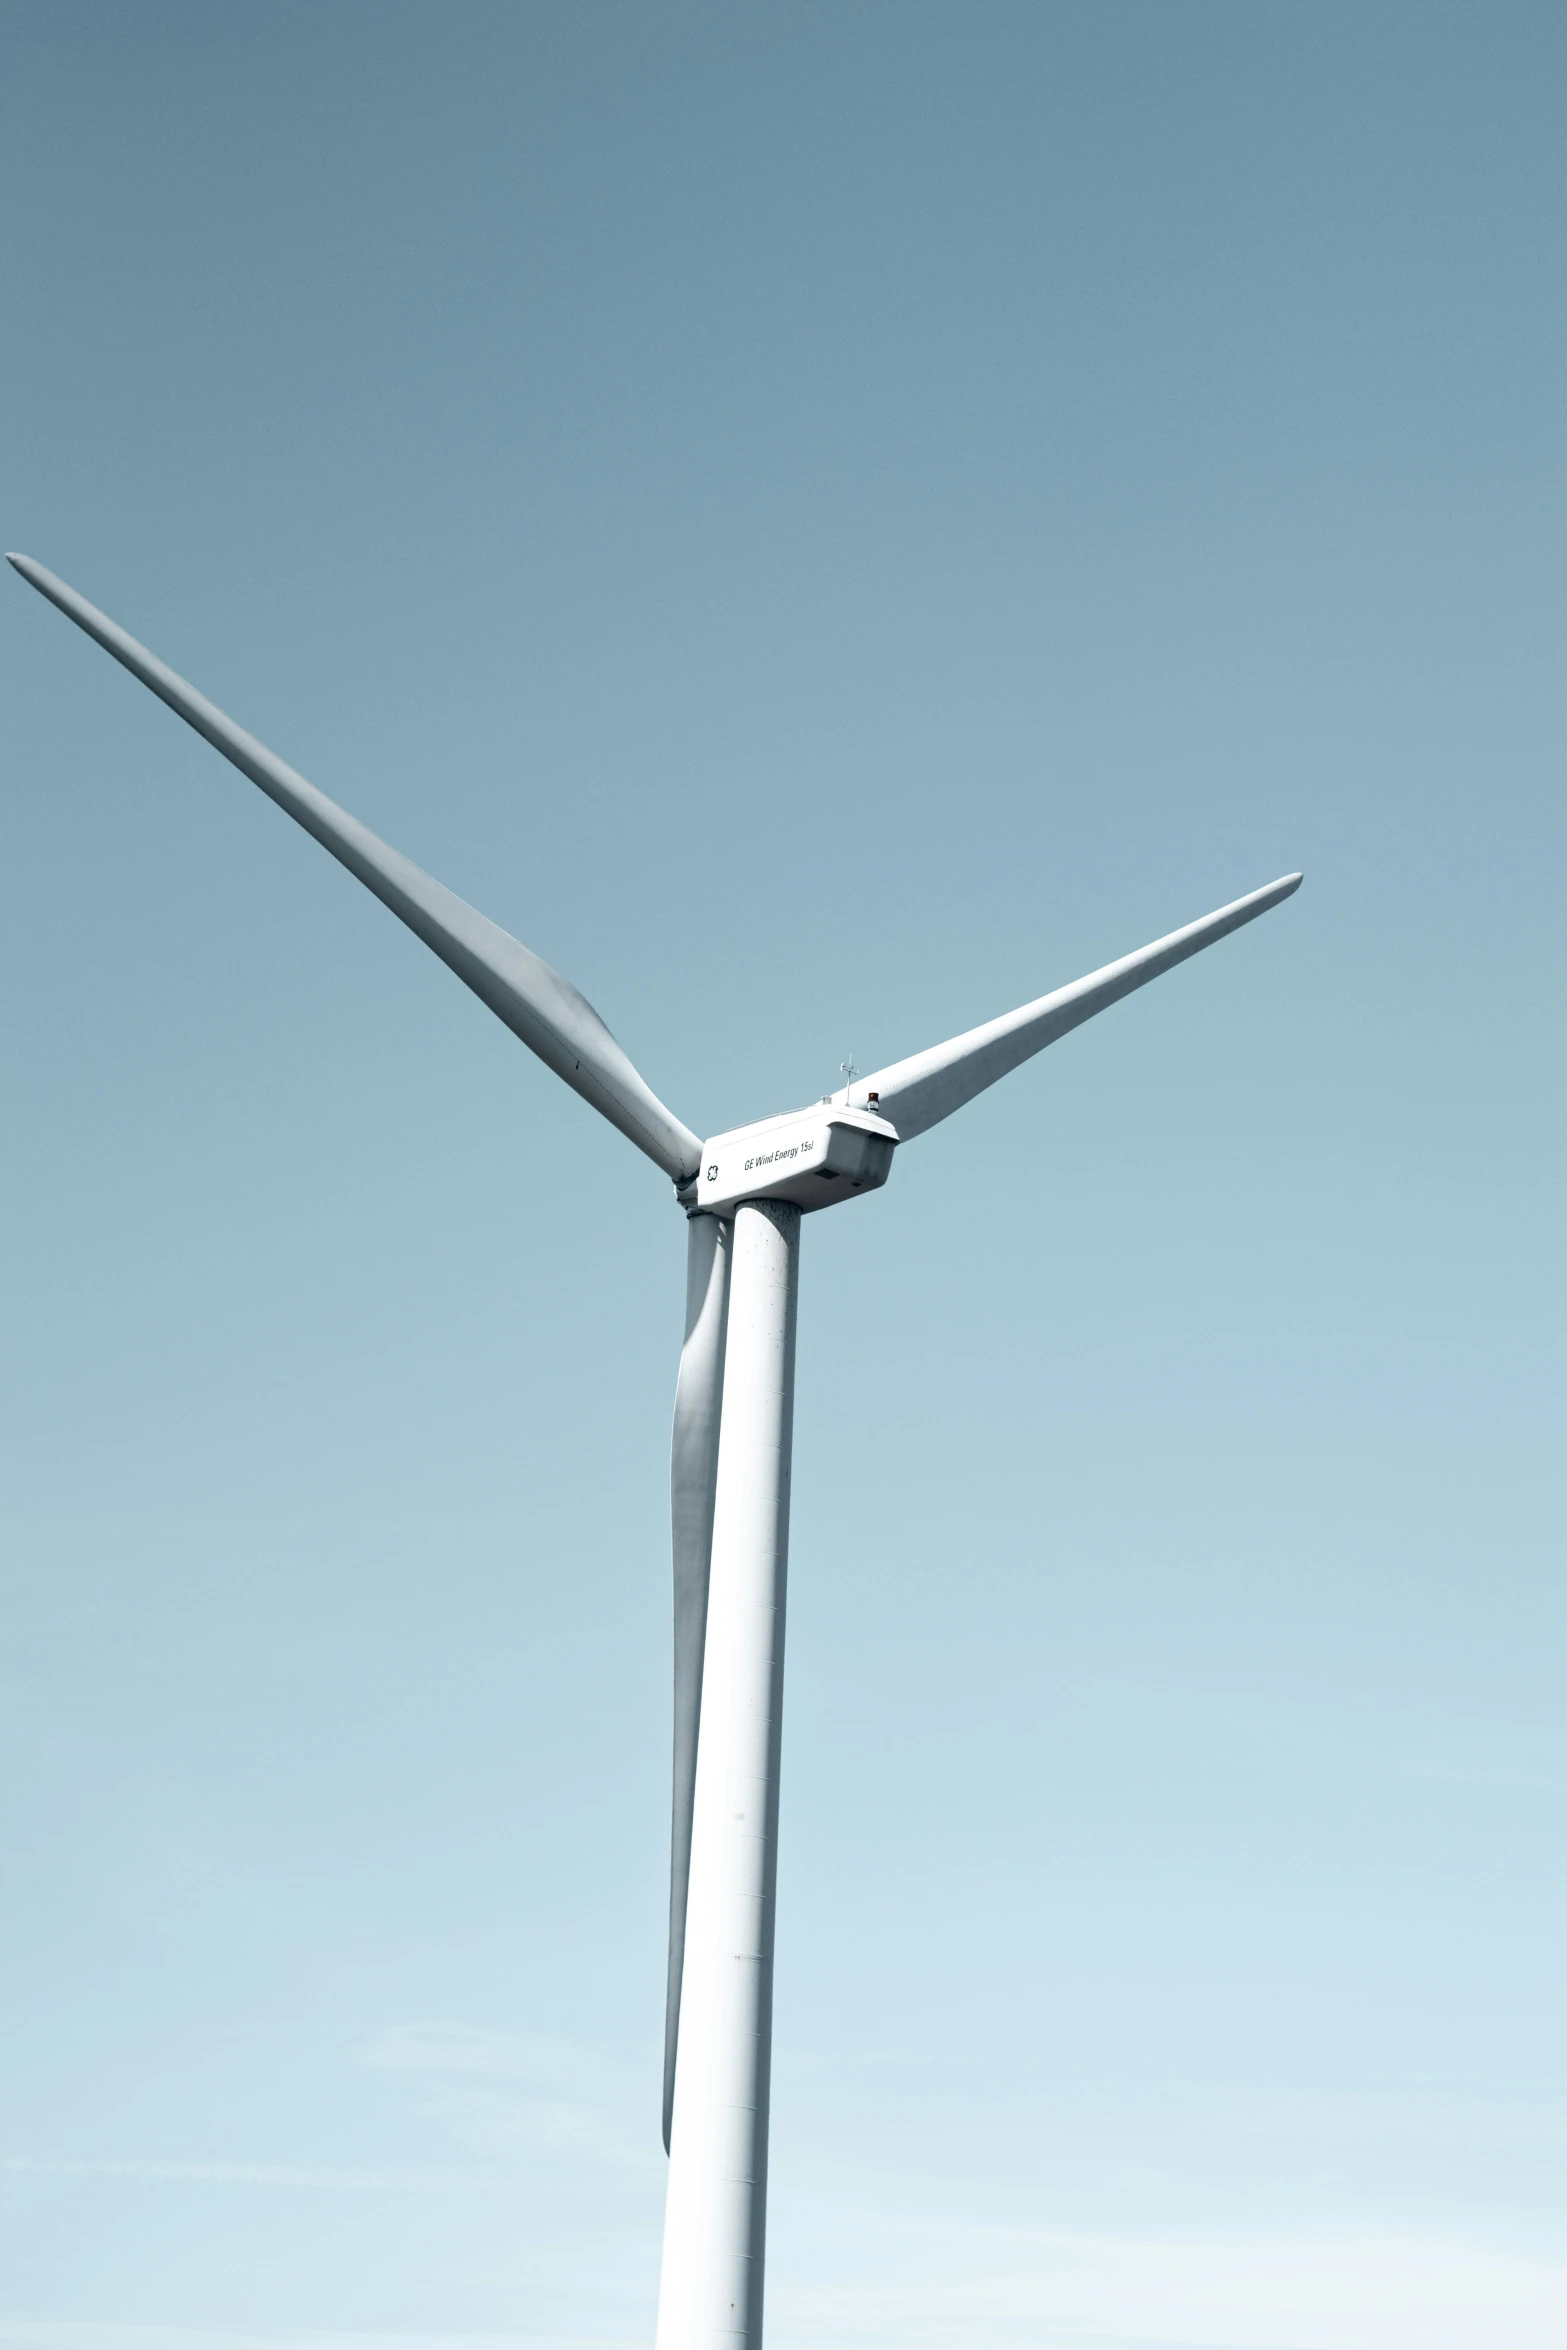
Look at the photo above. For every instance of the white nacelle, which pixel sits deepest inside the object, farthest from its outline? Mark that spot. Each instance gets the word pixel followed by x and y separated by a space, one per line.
pixel 812 1157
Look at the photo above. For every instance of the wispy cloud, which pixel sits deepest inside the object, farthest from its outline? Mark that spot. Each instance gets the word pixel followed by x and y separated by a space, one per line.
pixel 866 2278
pixel 354 2179
pixel 944 2286
pixel 511 2096
pixel 26 2333
pixel 506 2099
pixel 1013 2290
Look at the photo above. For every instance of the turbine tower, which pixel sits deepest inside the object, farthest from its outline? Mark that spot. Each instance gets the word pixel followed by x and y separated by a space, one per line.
pixel 743 1194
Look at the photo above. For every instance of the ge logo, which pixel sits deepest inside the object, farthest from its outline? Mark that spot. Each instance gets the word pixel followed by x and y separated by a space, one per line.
pixel 712 1174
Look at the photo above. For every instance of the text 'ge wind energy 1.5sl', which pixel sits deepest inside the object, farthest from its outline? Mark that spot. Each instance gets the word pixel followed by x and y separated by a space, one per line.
pixel 743 1195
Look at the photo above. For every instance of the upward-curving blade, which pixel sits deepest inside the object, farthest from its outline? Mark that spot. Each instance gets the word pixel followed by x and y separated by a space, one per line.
pixel 918 1093
pixel 693 1473
pixel 535 1002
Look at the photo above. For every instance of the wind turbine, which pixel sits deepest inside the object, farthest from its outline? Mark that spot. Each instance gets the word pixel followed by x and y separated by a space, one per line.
pixel 743 1194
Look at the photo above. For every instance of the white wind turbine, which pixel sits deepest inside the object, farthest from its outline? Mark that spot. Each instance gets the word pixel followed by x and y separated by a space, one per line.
pixel 743 1194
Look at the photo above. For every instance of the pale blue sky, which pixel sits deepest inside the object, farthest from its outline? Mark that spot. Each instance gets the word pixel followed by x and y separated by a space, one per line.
pixel 825 521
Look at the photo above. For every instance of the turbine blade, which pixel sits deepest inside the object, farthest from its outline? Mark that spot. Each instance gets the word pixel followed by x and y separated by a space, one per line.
pixel 534 1001
pixel 919 1092
pixel 693 1475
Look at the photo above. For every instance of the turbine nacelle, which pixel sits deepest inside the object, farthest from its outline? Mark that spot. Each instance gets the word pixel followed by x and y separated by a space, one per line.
pixel 811 1157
